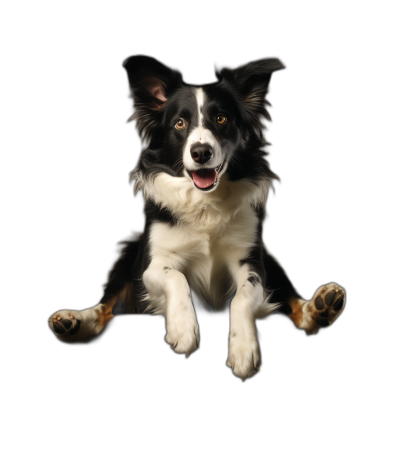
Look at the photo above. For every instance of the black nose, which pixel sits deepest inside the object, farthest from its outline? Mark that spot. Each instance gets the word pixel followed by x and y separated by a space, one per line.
pixel 201 153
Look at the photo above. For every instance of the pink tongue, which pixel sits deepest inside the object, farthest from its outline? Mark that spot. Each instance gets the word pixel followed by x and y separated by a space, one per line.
pixel 204 178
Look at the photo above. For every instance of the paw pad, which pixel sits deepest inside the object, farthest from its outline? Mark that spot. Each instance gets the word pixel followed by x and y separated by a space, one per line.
pixel 328 303
pixel 64 324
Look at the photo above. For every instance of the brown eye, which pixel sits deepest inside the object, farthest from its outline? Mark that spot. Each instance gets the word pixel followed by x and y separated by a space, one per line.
pixel 221 119
pixel 180 124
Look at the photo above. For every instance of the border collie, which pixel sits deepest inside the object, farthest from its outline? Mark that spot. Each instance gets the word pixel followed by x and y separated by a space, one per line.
pixel 205 182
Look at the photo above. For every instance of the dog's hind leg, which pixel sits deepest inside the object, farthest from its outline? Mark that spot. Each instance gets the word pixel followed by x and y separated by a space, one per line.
pixel 121 295
pixel 81 325
pixel 322 310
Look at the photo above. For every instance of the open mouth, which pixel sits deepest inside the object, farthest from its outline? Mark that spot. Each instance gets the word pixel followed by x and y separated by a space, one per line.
pixel 206 178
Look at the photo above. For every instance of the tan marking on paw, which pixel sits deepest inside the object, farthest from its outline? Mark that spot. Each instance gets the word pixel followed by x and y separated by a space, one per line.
pixel 105 314
pixel 297 311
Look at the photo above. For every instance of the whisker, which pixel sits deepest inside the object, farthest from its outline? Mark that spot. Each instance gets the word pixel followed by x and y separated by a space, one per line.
pixel 178 165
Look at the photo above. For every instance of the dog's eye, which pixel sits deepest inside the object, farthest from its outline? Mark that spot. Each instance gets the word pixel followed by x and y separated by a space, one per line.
pixel 180 124
pixel 221 119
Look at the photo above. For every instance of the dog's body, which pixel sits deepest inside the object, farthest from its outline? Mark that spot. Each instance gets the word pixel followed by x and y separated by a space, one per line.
pixel 205 183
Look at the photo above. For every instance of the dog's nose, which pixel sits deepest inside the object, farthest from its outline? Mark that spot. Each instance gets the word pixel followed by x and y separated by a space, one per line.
pixel 201 153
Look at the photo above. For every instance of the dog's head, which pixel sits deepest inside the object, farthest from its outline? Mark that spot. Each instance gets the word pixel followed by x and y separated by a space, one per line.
pixel 201 132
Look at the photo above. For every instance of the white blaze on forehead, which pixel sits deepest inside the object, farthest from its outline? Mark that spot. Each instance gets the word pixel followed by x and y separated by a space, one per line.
pixel 200 103
pixel 203 135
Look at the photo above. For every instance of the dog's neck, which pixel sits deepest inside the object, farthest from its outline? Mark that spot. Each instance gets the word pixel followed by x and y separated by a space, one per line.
pixel 205 209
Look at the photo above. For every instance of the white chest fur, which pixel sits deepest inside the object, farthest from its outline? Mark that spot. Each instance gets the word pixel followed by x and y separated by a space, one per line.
pixel 214 232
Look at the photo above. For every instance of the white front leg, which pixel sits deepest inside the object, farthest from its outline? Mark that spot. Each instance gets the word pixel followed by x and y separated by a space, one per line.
pixel 169 294
pixel 244 351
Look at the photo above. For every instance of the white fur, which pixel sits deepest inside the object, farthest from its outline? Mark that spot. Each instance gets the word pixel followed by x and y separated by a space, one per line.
pixel 244 352
pixel 169 293
pixel 200 102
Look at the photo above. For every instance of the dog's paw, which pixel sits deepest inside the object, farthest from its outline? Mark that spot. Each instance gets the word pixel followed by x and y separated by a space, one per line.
pixel 82 325
pixel 244 356
pixel 324 308
pixel 183 334
pixel 65 324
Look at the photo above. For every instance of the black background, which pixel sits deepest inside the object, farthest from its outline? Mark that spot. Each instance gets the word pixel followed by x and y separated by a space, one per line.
pixel 84 204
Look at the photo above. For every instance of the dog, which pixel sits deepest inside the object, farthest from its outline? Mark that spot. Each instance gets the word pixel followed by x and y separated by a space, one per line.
pixel 205 181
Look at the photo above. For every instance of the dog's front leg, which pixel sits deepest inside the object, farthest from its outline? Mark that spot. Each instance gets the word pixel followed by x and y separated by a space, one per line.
pixel 169 293
pixel 244 351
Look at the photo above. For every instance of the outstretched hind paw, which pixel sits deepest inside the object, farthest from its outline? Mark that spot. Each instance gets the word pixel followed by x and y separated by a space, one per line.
pixel 328 304
pixel 322 310
pixel 64 323
pixel 74 325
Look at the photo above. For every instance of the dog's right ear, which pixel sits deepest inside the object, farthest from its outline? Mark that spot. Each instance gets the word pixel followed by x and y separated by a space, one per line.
pixel 151 83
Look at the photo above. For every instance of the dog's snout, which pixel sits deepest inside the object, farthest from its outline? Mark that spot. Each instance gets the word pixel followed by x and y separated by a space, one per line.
pixel 201 153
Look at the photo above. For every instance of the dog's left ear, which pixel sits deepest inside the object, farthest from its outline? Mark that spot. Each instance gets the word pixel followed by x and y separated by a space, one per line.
pixel 249 83
pixel 251 80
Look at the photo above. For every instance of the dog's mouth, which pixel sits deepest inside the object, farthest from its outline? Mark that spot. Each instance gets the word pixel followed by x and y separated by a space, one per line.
pixel 206 178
